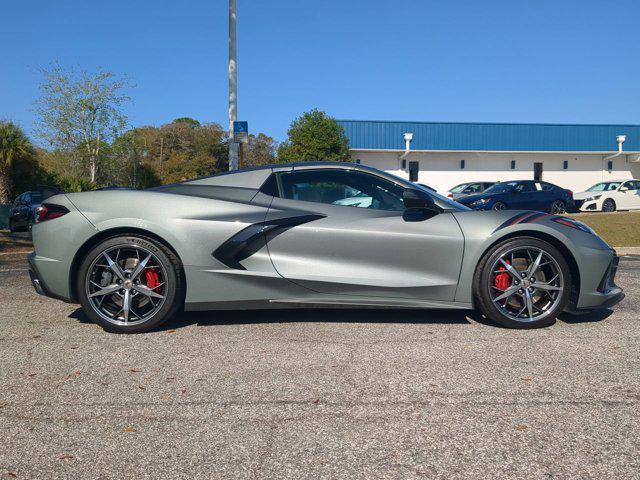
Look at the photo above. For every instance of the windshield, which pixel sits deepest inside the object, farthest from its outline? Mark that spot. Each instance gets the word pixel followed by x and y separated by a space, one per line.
pixel 459 188
pixel 450 203
pixel 604 187
pixel 444 202
pixel 501 187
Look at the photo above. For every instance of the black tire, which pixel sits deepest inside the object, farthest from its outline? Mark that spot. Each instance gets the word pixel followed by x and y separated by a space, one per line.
pixel 558 207
pixel 499 206
pixel 482 279
pixel 175 283
pixel 608 205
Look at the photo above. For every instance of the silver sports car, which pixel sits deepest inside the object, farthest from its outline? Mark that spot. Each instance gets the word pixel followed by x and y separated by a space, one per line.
pixel 282 236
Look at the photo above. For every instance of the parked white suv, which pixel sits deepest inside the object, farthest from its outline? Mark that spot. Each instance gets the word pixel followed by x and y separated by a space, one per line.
pixel 609 196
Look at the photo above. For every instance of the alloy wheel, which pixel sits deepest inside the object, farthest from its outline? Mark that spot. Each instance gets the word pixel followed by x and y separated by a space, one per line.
pixel 126 284
pixel 558 207
pixel 608 206
pixel 526 284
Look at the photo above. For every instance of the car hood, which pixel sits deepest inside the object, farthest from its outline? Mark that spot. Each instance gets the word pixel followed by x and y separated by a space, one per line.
pixel 468 199
pixel 584 195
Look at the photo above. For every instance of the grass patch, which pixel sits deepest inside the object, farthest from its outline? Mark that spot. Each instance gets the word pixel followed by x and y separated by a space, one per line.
pixel 618 229
pixel 14 242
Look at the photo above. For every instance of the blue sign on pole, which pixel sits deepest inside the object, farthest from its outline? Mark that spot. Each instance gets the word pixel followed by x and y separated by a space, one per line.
pixel 240 127
pixel 241 132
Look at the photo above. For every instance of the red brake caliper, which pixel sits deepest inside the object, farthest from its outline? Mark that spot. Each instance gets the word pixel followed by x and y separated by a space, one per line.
pixel 152 279
pixel 502 280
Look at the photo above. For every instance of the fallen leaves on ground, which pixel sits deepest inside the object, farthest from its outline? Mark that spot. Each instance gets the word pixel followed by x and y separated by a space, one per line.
pixel 129 429
pixel 522 428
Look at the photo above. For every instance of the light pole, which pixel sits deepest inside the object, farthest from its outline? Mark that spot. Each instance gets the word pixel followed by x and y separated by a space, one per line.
pixel 233 85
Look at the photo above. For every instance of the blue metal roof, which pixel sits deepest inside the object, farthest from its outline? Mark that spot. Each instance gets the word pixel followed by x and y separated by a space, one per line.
pixel 383 135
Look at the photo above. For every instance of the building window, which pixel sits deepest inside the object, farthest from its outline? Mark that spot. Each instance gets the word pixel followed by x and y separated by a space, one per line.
pixel 404 164
pixel 462 164
pixel 513 164
pixel 610 165
pixel 565 165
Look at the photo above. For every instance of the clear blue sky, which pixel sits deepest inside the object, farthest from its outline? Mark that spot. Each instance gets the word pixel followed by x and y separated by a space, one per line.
pixel 507 61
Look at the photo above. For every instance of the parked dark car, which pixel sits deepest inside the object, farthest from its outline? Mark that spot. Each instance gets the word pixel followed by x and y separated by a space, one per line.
pixel 23 211
pixel 468 188
pixel 522 195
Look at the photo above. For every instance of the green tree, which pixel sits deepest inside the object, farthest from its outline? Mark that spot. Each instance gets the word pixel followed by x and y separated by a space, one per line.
pixel 315 136
pixel 81 111
pixel 261 150
pixel 14 146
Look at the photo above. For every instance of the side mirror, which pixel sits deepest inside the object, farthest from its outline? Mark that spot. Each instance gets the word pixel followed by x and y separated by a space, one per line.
pixel 418 199
pixel 624 189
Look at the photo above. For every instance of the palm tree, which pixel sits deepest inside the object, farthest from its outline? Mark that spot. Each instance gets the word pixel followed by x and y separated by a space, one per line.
pixel 13 145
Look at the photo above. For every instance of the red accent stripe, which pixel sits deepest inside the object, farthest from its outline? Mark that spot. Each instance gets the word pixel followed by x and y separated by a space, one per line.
pixel 564 222
pixel 535 217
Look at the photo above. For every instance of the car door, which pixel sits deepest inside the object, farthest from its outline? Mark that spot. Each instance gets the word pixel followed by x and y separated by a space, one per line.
pixel 627 196
pixel 522 197
pixel 358 250
pixel 547 194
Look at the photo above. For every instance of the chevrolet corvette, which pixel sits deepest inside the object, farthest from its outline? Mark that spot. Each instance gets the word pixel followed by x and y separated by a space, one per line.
pixel 289 235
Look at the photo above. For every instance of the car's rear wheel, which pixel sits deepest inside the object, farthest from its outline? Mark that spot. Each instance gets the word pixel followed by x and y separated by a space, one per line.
pixel 558 207
pixel 130 284
pixel 499 206
pixel 522 283
pixel 608 205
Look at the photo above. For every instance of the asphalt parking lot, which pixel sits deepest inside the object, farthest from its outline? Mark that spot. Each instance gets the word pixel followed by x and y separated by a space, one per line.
pixel 317 394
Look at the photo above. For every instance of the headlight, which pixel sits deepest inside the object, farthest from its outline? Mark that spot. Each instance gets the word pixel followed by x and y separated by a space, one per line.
pixel 594 197
pixel 482 201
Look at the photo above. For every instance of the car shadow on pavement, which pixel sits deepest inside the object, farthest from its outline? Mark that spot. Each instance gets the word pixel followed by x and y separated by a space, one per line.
pixel 348 315
pixel 586 317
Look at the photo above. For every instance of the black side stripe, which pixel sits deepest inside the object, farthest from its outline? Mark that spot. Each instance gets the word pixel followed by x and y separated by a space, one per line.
pixel 252 238
pixel 528 217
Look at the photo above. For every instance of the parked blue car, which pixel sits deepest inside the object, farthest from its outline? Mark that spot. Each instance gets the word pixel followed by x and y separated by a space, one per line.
pixel 522 195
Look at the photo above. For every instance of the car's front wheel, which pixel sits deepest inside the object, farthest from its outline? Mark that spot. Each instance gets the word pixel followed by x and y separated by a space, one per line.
pixel 558 207
pixel 608 205
pixel 522 283
pixel 499 206
pixel 130 284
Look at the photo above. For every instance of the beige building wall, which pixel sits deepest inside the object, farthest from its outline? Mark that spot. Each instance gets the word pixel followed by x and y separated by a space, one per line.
pixel 442 170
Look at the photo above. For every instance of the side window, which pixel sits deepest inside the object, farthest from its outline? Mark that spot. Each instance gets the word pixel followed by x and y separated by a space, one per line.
pixel 342 187
pixel 629 185
pixel 546 187
pixel 525 187
pixel 473 188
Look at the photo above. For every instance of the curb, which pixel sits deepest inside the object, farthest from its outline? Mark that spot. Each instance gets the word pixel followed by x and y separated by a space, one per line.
pixel 627 250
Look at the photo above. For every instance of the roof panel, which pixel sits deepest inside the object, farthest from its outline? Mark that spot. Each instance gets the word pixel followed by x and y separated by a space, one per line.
pixel 388 135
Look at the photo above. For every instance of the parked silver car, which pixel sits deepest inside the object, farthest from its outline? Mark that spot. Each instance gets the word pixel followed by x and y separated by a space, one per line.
pixel 468 188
